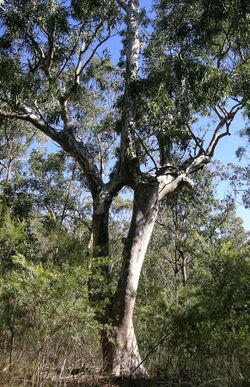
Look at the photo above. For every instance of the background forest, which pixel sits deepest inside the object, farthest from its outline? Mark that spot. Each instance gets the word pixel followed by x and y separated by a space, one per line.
pixel 193 298
pixel 110 117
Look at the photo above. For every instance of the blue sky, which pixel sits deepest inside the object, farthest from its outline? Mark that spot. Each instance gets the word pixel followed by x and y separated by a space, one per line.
pixel 225 152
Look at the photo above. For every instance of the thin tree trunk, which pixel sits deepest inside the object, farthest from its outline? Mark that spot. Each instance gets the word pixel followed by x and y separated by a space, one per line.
pixel 99 280
pixel 120 344
pixel 100 228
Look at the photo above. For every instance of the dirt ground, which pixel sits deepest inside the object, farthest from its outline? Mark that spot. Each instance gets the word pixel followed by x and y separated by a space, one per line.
pixel 79 380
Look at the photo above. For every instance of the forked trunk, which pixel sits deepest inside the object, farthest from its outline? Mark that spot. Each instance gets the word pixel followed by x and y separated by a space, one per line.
pixel 120 349
pixel 121 356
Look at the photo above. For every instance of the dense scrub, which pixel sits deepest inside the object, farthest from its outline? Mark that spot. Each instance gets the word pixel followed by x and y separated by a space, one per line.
pixel 193 299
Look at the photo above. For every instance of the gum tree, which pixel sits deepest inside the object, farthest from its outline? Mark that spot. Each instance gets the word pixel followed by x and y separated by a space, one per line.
pixel 140 125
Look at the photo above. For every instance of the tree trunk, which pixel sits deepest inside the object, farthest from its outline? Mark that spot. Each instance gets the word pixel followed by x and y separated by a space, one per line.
pixel 98 284
pixel 100 228
pixel 121 354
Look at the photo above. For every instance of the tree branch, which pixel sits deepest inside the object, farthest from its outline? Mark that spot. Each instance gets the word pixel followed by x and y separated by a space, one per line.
pixel 205 156
pixel 224 120
pixel 123 5
pixel 68 143
pixel 168 184
pixel 81 67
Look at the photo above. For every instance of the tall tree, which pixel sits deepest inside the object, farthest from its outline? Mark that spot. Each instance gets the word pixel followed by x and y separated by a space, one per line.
pixel 55 78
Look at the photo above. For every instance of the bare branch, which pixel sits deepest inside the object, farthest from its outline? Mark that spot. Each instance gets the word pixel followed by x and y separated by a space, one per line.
pixel 218 134
pixel 51 50
pixel 198 141
pixel 27 115
pixel 94 52
pixel 147 151
pixel 168 184
pixel 195 163
pixel 70 53
pixel 218 112
pixel 80 68
pixel 38 49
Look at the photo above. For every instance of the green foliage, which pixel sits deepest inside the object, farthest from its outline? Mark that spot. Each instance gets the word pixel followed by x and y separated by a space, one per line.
pixel 42 308
pixel 98 9
pixel 194 297
pixel 213 322
pixel 197 59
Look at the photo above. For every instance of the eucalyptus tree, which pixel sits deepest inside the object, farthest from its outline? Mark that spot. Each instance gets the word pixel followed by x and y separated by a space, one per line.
pixel 137 119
